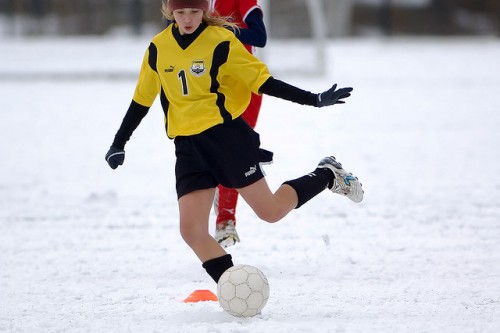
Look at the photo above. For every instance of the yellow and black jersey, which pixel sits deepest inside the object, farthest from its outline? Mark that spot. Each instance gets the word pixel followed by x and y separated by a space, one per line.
pixel 203 78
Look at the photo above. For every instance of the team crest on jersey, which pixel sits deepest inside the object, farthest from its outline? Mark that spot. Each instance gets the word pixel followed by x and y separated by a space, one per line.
pixel 198 67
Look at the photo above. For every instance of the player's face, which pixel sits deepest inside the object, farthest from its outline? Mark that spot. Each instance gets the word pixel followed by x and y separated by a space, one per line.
pixel 188 19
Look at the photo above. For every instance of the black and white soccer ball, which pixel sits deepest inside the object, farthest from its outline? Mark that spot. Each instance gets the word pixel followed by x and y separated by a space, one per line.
pixel 243 291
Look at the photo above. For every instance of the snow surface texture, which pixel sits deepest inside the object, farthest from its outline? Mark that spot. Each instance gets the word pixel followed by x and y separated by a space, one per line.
pixel 88 249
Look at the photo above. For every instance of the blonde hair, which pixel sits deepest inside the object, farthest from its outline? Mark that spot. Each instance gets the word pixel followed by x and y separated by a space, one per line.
pixel 209 17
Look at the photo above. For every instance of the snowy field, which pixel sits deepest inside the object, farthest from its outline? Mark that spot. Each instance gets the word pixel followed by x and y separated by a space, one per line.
pixel 88 249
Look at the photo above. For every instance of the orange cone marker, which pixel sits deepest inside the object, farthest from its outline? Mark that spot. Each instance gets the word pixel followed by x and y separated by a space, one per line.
pixel 200 295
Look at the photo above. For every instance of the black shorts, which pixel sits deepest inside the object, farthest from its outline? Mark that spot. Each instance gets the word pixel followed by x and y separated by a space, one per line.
pixel 226 154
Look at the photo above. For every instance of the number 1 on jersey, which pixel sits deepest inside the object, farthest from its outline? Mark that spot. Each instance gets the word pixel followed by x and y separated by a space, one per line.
pixel 182 78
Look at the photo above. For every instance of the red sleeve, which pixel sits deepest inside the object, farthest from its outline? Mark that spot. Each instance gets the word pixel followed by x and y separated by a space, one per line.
pixel 246 6
pixel 238 9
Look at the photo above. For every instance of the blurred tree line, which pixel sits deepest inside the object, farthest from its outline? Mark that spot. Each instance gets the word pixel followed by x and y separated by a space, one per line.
pixel 288 19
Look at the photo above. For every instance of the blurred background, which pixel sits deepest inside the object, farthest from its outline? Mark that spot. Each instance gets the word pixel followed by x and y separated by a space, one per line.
pixel 285 18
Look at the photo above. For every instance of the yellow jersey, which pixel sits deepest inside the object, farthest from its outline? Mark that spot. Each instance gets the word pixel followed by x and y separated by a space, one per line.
pixel 203 80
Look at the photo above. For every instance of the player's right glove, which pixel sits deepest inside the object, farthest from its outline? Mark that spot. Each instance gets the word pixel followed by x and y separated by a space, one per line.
pixel 115 157
pixel 332 96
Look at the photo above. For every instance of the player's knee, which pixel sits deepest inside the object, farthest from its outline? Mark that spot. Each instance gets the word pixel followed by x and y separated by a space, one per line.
pixel 189 234
pixel 270 216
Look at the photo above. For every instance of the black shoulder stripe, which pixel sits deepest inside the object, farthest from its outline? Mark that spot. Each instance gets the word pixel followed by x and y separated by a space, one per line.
pixel 153 56
pixel 165 104
pixel 220 56
pixel 221 53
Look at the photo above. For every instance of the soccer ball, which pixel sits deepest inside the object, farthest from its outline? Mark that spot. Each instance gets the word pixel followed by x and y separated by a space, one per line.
pixel 243 291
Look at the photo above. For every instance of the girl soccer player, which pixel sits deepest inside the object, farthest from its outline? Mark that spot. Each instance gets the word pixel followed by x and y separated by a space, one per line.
pixel 205 77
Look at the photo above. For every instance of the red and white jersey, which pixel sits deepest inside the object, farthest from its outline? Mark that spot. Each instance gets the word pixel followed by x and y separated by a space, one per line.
pixel 237 9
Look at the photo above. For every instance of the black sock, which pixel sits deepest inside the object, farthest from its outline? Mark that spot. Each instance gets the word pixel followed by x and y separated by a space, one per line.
pixel 217 266
pixel 310 185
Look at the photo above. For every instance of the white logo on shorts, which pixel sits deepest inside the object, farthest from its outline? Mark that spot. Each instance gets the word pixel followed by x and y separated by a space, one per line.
pixel 251 171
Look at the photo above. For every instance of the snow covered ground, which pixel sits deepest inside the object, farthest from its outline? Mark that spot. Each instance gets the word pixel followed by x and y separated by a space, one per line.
pixel 88 249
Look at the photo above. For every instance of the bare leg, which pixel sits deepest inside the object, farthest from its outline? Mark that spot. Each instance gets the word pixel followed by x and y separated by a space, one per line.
pixel 194 212
pixel 268 206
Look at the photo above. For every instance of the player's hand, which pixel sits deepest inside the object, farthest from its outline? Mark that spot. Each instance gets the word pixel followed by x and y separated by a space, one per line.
pixel 332 96
pixel 115 157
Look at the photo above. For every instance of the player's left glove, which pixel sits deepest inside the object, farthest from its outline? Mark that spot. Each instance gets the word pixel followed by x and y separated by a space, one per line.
pixel 115 157
pixel 332 96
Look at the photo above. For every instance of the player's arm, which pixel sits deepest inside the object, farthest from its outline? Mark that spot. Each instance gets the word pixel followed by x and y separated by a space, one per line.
pixel 145 93
pixel 255 34
pixel 130 122
pixel 256 75
pixel 116 153
pixel 283 90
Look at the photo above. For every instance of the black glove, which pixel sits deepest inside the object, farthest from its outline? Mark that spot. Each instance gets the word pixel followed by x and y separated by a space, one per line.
pixel 115 157
pixel 332 96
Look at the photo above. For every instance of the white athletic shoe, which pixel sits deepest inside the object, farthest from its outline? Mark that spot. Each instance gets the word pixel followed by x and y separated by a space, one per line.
pixel 225 233
pixel 345 183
